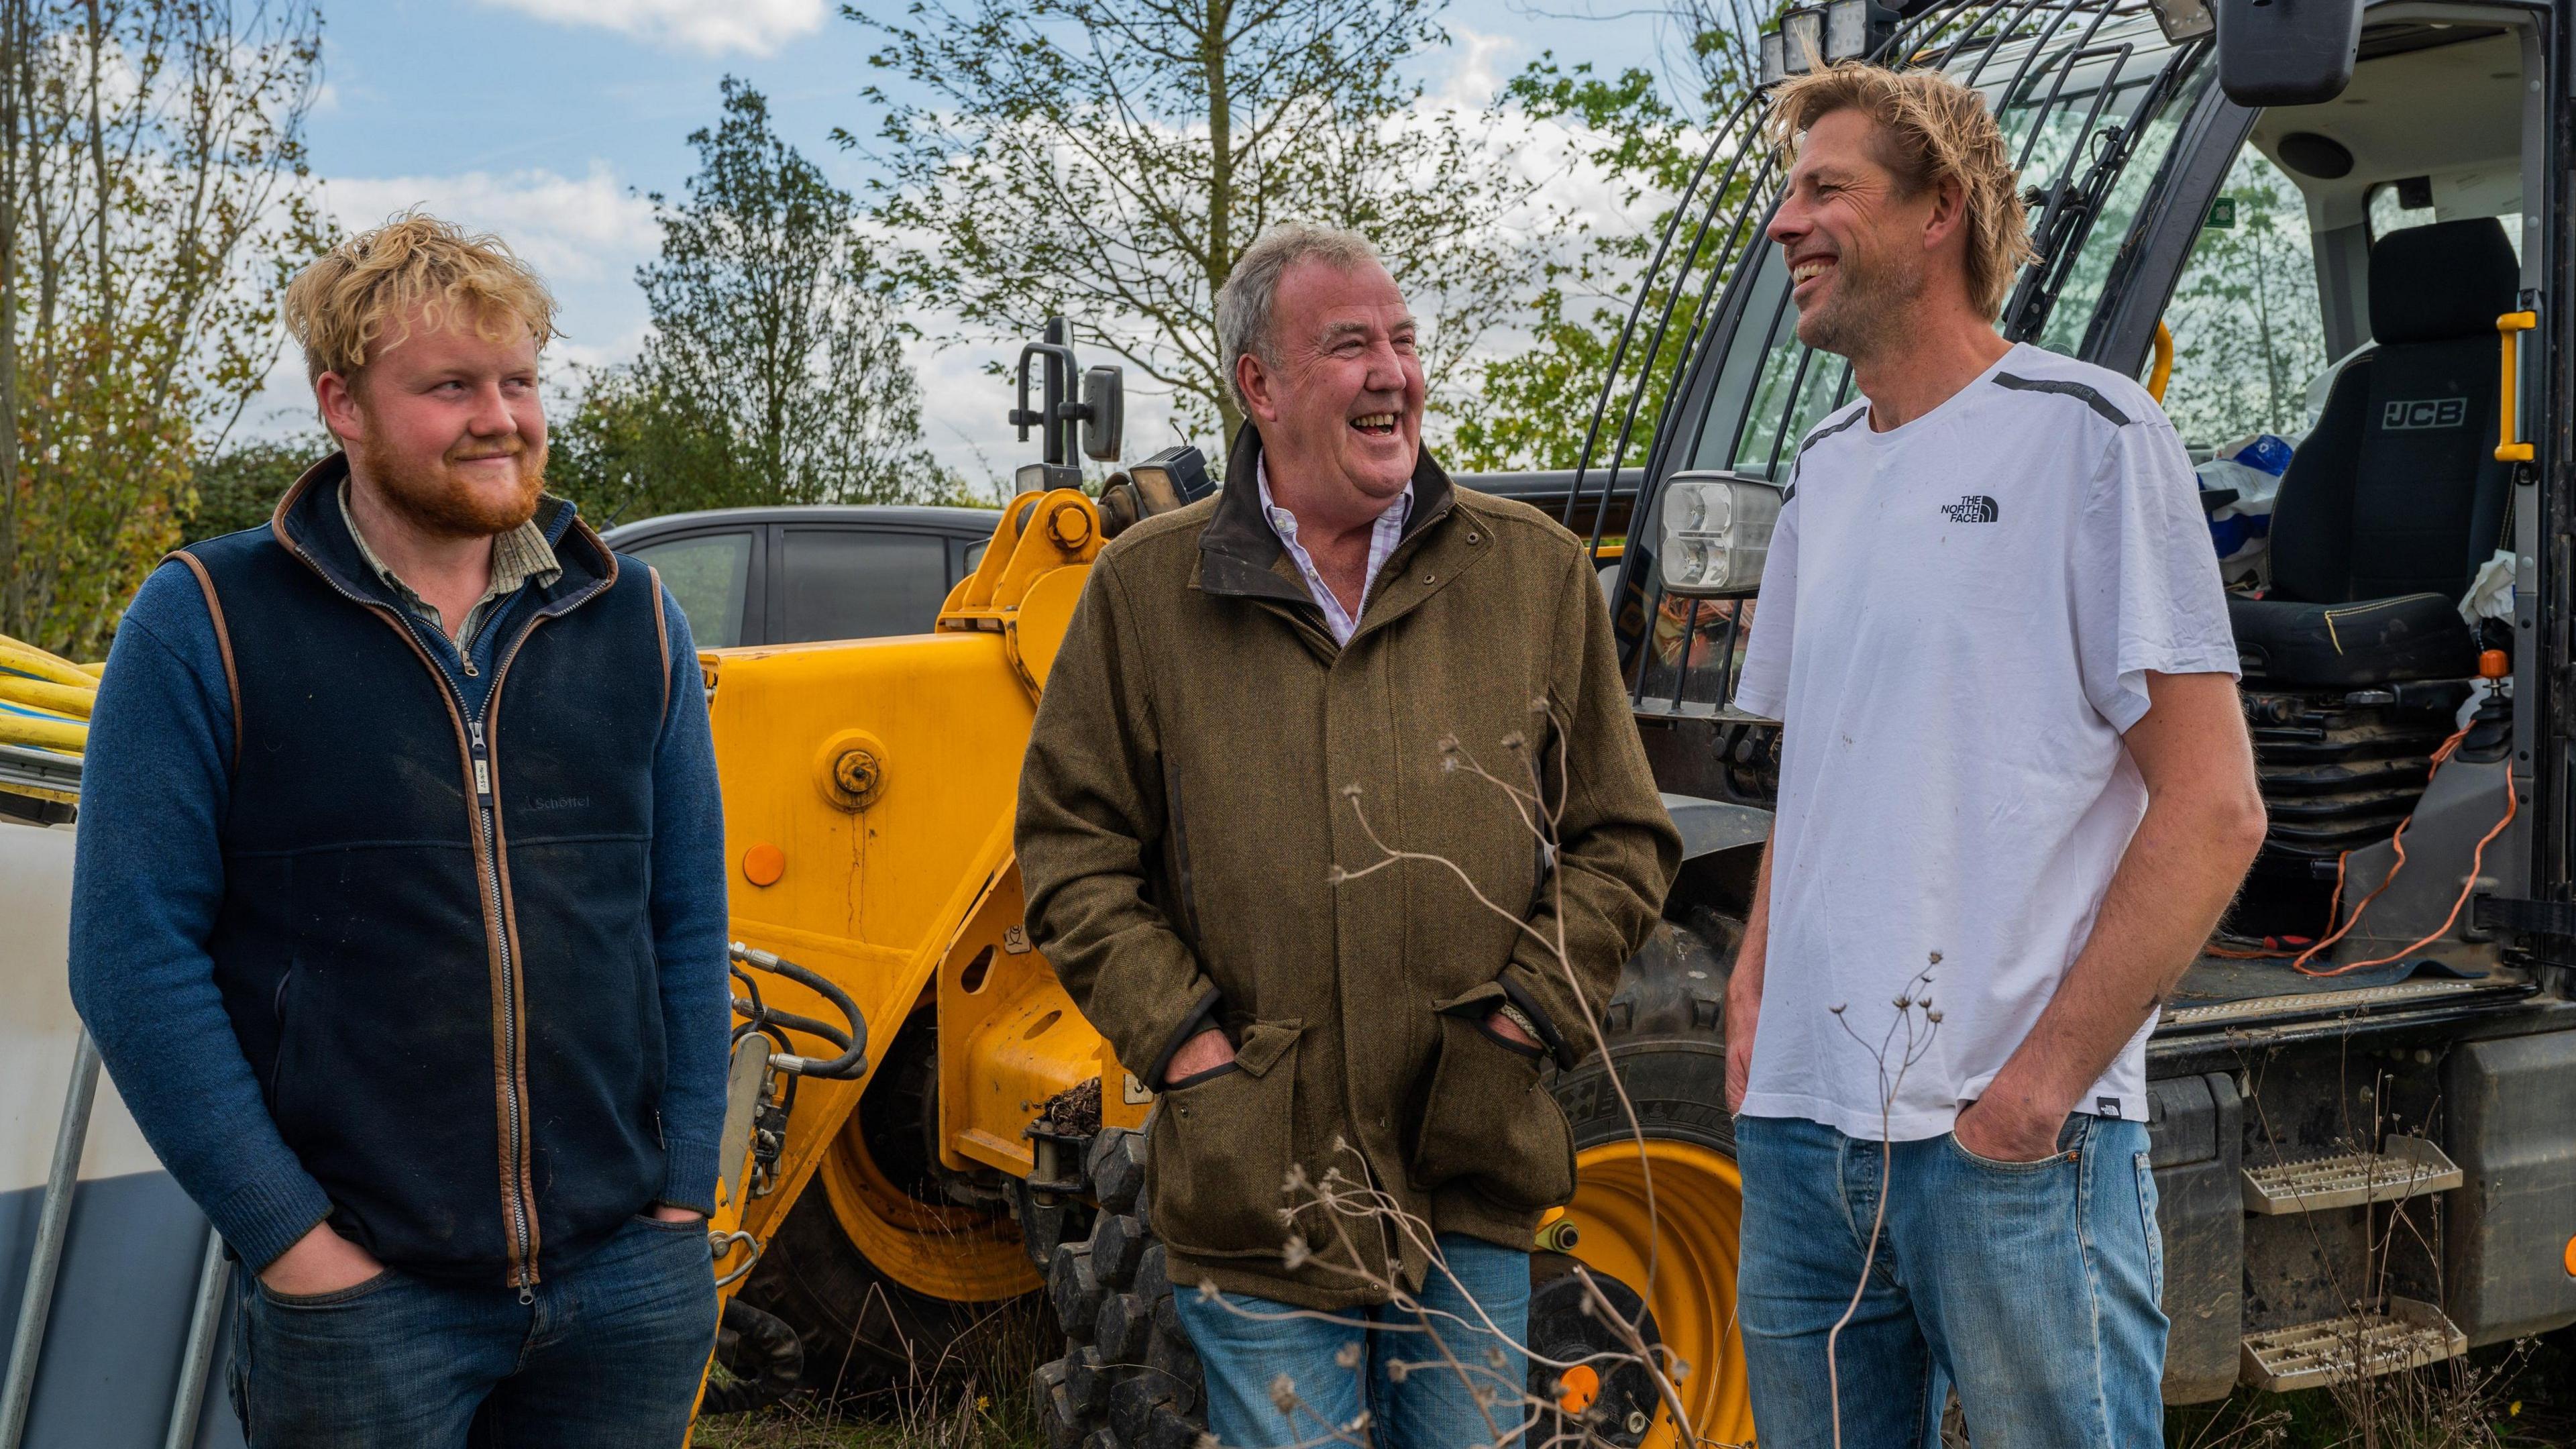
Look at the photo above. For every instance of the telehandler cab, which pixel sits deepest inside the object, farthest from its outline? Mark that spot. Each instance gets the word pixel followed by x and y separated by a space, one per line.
pixel 2339 225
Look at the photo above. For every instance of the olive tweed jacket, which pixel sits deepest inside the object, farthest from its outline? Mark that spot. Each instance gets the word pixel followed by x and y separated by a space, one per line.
pixel 1211 792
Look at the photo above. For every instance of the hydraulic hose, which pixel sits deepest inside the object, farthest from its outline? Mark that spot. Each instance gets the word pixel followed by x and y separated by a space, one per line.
pixel 852 1063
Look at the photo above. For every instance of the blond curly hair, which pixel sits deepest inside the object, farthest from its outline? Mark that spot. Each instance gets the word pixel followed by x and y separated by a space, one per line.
pixel 339 307
pixel 1930 129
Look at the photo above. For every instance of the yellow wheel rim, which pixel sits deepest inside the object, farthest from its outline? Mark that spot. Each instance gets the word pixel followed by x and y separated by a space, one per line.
pixel 1691 1234
pixel 946 1252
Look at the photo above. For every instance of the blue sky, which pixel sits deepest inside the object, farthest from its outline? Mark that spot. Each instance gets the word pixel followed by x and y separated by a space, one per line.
pixel 546 120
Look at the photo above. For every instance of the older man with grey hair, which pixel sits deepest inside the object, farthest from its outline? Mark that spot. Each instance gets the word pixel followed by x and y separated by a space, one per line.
pixel 1262 696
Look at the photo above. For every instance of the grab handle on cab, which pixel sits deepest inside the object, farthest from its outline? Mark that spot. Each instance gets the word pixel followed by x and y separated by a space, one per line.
pixel 2508 395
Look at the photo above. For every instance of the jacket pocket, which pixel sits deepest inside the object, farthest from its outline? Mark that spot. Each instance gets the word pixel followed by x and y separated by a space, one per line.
pixel 1220 1148
pixel 1490 1123
pixel 287 1069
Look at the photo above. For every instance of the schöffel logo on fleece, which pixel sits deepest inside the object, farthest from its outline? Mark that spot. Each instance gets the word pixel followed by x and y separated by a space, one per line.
pixel 1974 508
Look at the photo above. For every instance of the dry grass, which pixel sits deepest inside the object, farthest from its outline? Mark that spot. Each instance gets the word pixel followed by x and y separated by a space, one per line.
pixel 2504 1397
pixel 983 1421
pixel 978 1398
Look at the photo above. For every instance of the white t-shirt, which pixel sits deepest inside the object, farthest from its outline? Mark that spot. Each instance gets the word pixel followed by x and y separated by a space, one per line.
pixel 1955 627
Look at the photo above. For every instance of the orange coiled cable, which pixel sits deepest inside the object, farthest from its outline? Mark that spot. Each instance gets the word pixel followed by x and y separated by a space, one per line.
pixel 2477 863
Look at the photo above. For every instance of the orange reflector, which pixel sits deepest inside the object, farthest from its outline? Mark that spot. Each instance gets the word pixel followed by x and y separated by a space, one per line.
pixel 2493 664
pixel 1580 1385
pixel 763 864
pixel 2571 1257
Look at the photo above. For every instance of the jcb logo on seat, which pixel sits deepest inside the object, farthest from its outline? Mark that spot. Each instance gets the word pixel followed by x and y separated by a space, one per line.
pixel 2439 412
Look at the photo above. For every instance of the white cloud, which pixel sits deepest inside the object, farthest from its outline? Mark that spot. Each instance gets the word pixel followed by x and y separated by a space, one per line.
pixel 715 26
pixel 1476 73
pixel 570 229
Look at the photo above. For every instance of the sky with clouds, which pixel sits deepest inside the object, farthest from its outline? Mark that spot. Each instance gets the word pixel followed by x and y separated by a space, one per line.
pixel 549 121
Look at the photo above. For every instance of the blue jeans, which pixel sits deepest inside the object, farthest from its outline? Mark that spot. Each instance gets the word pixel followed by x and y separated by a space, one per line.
pixel 2032 1288
pixel 607 1357
pixel 1414 1397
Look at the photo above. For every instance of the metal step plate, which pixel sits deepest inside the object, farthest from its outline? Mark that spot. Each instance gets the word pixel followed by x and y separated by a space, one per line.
pixel 2408 1167
pixel 2362 998
pixel 2341 1350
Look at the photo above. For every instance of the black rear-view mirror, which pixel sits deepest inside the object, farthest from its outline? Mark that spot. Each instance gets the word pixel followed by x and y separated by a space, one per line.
pixel 2286 52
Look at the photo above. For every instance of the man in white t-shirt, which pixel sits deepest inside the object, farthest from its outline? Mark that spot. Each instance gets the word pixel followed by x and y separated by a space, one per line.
pixel 2015 794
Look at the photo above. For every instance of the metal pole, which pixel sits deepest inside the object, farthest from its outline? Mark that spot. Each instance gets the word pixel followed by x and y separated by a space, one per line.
pixel 38 1301
pixel 214 1276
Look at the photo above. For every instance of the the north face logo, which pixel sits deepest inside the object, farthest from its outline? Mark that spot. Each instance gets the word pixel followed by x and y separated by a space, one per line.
pixel 1975 508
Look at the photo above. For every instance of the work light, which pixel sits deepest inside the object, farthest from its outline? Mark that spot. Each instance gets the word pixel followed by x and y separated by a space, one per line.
pixel 2183 20
pixel 1855 29
pixel 1802 36
pixel 1774 59
pixel 1716 533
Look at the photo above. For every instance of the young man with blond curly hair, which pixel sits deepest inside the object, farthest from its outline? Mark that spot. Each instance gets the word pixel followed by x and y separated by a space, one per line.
pixel 399 914
pixel 2012 762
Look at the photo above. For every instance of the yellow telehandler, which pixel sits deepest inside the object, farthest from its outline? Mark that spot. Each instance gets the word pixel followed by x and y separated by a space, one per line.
pixel 935 1129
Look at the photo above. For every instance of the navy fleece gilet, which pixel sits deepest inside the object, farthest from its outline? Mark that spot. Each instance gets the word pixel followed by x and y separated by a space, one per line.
pixel 436 945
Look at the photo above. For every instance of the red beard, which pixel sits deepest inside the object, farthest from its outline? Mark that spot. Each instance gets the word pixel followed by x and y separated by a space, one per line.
pixel 438 500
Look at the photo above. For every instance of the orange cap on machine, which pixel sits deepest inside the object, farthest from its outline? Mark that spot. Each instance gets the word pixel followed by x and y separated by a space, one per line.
pixel 2494 664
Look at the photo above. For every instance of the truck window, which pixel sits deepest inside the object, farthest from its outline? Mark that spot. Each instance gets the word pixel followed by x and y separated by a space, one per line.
pixel 2390 211
pixel 707 575
pixel 2247 330
pixel 848 583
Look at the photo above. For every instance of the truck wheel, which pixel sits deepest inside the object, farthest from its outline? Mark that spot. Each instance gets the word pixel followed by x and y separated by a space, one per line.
pixel 863 1332
pixel 1129 1380
pixel 881 1279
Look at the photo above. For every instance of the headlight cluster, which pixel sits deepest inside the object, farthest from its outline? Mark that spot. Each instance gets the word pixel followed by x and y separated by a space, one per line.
pixel 1716 533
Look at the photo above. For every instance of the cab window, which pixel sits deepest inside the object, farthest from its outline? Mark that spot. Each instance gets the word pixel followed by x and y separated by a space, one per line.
pixel 2248 333
pixel 2424 200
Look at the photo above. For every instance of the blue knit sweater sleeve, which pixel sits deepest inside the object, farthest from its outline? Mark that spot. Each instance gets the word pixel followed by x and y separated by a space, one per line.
pixel 148 878
pixel 689 923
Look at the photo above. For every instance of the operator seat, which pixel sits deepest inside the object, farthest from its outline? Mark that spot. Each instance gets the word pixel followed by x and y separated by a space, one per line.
pixel 2395 499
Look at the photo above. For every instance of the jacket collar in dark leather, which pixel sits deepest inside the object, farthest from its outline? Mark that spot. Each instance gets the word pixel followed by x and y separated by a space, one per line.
pixel 310 524
pixel 1240 553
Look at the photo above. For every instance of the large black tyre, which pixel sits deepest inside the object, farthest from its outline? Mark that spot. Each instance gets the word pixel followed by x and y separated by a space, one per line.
pixel 1128 1378
pixel 863 1331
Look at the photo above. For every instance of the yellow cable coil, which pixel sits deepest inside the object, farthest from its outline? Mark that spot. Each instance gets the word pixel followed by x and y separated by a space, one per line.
pixel 45 702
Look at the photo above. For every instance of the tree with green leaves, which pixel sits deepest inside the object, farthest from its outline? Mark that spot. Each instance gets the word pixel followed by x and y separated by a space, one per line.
pixel 1109 160
pixel 1534 407
pixel 775 370
pixel 154 197
pixel 239 487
